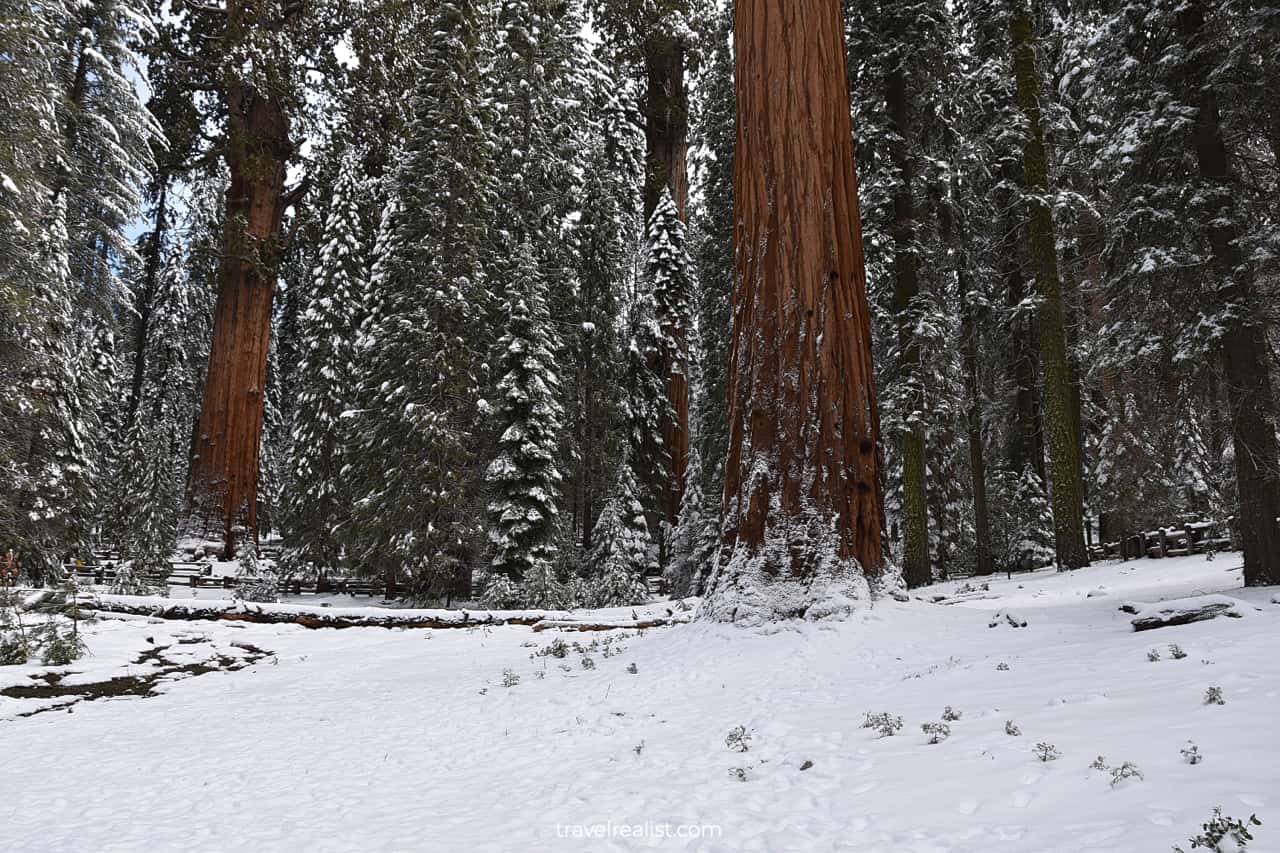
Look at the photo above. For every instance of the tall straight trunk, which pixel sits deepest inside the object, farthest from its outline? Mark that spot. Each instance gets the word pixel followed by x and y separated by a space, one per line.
pixel 145 296
pixel 667 146
pixel 1063 443
pixel 952 226
pixel 1245 365
pixel 1025 449
pixel 801 521
pixel 906 287
pixel 224 472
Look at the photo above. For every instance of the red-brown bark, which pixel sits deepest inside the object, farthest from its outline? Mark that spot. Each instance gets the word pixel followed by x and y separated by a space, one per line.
pixel 224 472
pixel 802 497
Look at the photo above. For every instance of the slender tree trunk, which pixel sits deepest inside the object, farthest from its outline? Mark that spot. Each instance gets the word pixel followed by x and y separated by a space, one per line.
pixel 801 523
pixel 144 298
pixel 224 472
pixel 1245 360
pixel 1063 443
pixel 952 226
pixel 667 148
pixel 906 287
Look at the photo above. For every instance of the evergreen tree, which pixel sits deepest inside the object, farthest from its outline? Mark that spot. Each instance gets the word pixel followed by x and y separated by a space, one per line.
pixel 416 466
pixel 318 499
pixel 624 553
pixel 523 477
pixel 670 281
pixel 712 251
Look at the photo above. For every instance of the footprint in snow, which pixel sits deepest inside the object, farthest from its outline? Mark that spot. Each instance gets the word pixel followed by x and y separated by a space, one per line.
pixel 865 787
pixel 1021 799
pixel 1253 801
pixel 968 807
pixel 1161 818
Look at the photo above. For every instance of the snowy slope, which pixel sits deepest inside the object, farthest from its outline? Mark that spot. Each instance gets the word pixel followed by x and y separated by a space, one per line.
pixel 373 739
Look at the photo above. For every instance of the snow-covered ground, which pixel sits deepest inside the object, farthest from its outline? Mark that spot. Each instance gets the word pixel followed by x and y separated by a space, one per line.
pixel 407 740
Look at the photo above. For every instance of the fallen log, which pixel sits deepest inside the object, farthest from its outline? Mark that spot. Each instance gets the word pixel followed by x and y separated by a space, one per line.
pixel 352 617
pixel 1183 611
pixel 309 617
pixel 632 624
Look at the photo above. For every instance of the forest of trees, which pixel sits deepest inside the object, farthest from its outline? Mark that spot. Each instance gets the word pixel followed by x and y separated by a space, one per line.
pixel 448 289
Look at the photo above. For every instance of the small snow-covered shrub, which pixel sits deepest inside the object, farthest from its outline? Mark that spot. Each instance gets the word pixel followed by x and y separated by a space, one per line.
pixel 1047 752
pixel 885 723
pixel 557 649
pixel 1011 729
pixel 1002 667
pixel 14 650
pixel 937 732
pixel 738 739
pixel 58 644
pixel 739 773
pixel 588 662
pixel 1213 696
pixel 1176 652
pixel 638 748
pixel 510 678
pixel 951 716
pixel 1219 829
pixel 256 581
pixel 1099 763
pixel 500 593
pixel 632 668
pixel 1191 753
pixel 1153 655
pixel 1127 770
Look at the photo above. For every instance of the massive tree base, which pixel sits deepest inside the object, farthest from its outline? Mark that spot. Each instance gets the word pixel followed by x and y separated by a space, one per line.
pixel 753 588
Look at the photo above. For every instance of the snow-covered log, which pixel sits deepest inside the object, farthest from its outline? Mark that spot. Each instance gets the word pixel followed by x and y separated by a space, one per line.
pixel 311 617
pixel 1183 611
pixel 633 624
pixel 377 617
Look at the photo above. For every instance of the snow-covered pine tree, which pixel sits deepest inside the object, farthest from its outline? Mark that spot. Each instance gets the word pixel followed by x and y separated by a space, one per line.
pixel 645 407
pixel 523 477
pixel 604 242
pixel 624 551
pixel 697 532
pixel 148 499
pixel 670 281
pixel 1021 528
pixel 318 500
pixel 416 462
pixel 712 251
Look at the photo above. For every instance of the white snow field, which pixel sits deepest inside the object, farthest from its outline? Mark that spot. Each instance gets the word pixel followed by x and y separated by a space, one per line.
pixel 369 739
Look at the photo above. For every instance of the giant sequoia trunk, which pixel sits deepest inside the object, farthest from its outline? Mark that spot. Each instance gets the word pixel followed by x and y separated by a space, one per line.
pixel 224 472
pixel 801 522
pixel 1245 366
pixel 1060 424
pixel 667 147
pixel 906 287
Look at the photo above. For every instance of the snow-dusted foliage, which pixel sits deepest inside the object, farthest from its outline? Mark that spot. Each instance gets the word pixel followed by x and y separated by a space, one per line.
pixel 1021 525
pixel 624 552
pixel 318 499
pixel 523 478
pixel 422 365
